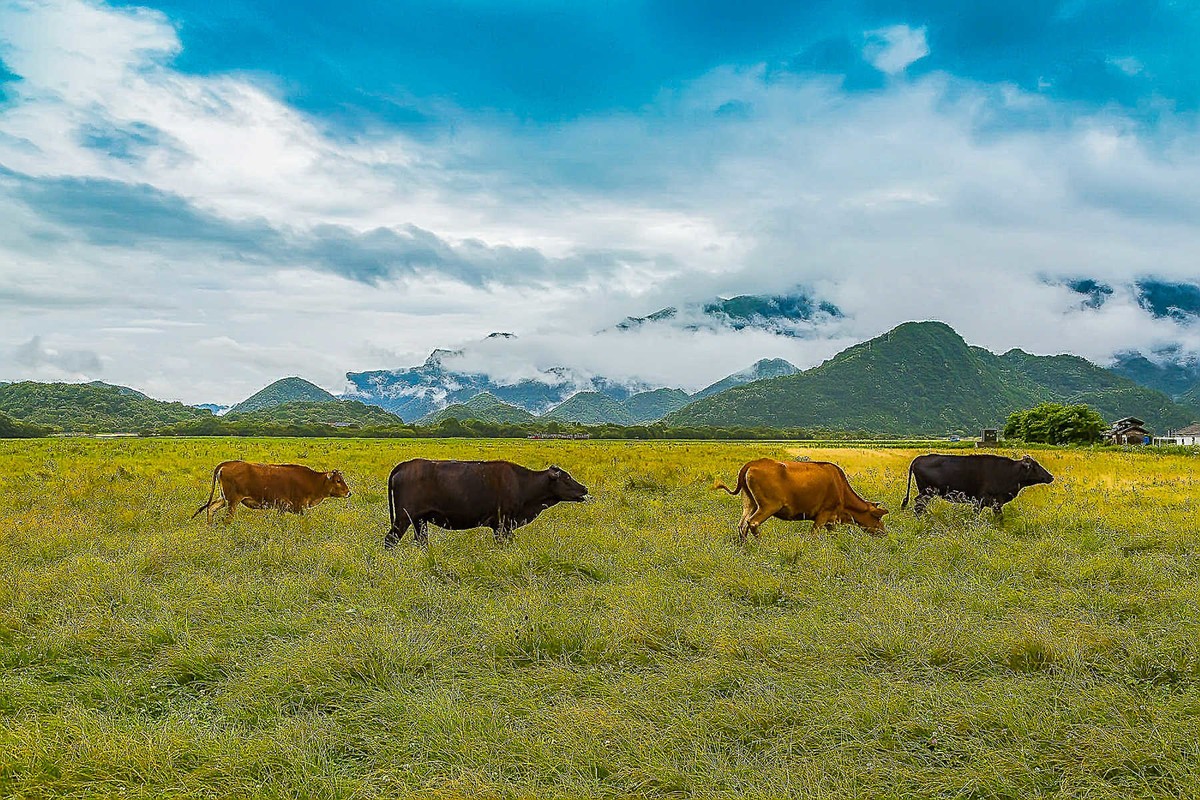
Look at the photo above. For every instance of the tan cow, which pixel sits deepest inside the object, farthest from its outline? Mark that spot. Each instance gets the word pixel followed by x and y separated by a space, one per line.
pixel 800 490
pixel 286 487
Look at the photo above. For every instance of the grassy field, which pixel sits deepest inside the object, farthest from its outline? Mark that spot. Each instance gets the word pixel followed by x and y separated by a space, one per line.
pixel 627 646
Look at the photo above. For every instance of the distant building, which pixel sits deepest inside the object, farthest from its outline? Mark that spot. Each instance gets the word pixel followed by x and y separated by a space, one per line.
pixel 1186 437
pixel 989 437
pixel 1129 430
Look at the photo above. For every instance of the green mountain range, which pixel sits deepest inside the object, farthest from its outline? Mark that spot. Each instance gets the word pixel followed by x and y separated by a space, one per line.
pixel 923 378
pixel 920 378
pixel 646 407
pixel 307 412
pixel 485 407
pixel 590 408
pixel 90 407
pixel 284 390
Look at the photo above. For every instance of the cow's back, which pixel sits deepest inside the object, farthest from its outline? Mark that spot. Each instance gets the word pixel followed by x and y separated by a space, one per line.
pixel 294 484
pixel 970 474
pixel 802 488
pixel 461 492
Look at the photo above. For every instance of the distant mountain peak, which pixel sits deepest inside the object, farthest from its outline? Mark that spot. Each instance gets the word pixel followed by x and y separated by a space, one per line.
pixel 438 356
pixel 760 370
pixel 629 323
pixel 284 390
pixel 792 313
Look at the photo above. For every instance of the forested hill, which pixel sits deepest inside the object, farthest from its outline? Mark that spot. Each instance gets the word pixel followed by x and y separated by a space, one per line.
pixel 922 378
pixel 90 408
pixel 284 390
pixel 305 412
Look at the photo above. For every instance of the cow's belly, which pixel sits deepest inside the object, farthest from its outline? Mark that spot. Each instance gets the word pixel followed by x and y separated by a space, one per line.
pixel 459 521
pixel 962 488
pixel 794 514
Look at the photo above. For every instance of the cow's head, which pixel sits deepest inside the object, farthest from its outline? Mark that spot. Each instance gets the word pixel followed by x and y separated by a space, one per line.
pixel 337 484
pixel 1032 473
pixel 565 487
pixel 870 518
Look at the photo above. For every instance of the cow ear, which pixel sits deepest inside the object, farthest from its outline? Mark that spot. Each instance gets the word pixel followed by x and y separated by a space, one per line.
pixel 555 471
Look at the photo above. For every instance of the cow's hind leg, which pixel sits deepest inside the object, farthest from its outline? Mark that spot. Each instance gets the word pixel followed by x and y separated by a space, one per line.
pixel 214 507
pixel 761 514
pixel 748 509
pixel 921 502
pixel 421 532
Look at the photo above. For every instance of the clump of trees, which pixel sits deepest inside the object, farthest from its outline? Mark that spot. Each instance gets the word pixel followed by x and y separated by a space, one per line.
pixel 1056 423
pixel 15 429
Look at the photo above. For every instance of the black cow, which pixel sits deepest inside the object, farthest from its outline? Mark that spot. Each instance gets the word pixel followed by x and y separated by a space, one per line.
pixel 985 480
pixel 457 495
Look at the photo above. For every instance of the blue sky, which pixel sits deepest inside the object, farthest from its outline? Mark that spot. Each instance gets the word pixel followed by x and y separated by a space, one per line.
pixel 197 198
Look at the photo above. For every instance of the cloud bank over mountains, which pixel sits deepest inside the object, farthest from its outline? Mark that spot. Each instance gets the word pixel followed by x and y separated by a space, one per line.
pixel 188 207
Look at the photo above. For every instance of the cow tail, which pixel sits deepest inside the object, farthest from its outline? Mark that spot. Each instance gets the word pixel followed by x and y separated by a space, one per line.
pixel 212 490
pixel 741 482
pixel 392 498
pixel 907 488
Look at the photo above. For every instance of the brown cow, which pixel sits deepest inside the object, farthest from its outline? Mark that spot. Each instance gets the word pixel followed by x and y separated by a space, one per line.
pixel 286 487
pixel 794 490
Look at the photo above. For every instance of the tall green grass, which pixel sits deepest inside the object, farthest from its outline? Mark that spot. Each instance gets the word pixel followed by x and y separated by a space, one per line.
pixel 627 646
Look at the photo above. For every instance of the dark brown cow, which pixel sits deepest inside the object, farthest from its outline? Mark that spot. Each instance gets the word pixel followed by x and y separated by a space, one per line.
pixel 800 490
pixel 986 480
pixel 458 495
pixel 286 487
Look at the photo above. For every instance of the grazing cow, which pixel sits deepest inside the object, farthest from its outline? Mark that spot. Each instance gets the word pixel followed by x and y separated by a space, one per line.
pixel 286 487
pixel 458 495
pixel 985 479
pixel 800 490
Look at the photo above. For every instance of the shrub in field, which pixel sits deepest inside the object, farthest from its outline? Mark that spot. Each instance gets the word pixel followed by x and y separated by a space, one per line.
pixel 1055 423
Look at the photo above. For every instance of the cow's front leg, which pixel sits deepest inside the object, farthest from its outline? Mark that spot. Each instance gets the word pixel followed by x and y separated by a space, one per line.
pixel 395 533
pixel 823 519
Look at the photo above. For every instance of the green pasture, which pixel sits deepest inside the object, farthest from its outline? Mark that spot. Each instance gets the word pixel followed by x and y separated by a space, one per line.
pixel 628 646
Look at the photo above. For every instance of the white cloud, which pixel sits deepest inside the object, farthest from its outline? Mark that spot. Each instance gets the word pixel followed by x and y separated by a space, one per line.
pixel 893 48
pixel 922 200
pixel 56 363
pixel 1129 65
